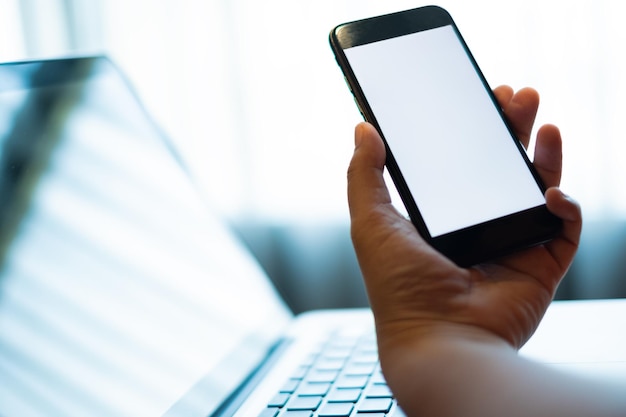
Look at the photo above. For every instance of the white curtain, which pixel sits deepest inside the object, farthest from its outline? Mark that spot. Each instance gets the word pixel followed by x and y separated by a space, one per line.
pixel 252 96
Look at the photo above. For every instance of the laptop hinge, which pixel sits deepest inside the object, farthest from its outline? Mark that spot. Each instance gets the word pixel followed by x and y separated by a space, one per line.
pixel 236 399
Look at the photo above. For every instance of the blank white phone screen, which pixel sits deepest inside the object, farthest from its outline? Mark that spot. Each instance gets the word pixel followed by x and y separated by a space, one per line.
pixel 449 141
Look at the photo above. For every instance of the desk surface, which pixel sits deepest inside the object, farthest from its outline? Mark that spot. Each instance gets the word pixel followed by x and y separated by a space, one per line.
pixel 587 336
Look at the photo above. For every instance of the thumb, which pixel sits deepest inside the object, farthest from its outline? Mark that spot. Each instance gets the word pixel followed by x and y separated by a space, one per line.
pixel 366 186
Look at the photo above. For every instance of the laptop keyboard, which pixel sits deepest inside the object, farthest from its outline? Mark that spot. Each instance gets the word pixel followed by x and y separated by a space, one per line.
pixel 342 379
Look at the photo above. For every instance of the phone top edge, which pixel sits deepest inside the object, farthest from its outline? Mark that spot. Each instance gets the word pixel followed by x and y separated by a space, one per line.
pixel 377 28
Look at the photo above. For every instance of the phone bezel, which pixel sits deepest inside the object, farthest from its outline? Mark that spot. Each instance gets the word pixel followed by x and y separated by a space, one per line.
pixel 477 243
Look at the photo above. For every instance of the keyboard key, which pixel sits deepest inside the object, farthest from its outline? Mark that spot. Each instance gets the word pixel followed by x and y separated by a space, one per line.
pixel 321 376
pixel 375 405
pixel 279 400
pixel 269 412
pixel 313 389
pixel 343 342
pixel 326 364
pixel 290 386
pixel 378 378
pixel 352 381
pixel 368 346
pixel 344 395
pixel 360 369
pixel 304 403
pixel 309 360
pixel 379 391
pixel 289 413
pixel 365 357
pixel 300 372
pixel 337 353
pixel 336 410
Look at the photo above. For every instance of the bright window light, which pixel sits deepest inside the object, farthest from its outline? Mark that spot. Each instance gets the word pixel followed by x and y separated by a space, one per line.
pixel 252 96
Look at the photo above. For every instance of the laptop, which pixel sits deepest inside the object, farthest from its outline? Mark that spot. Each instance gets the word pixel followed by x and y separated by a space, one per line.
pixel 123 294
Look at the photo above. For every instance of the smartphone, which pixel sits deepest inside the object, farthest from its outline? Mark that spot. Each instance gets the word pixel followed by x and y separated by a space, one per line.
pixel 465 179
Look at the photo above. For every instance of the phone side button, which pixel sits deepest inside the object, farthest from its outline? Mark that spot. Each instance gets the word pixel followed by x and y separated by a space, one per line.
pixel 358 106
pixel 347 83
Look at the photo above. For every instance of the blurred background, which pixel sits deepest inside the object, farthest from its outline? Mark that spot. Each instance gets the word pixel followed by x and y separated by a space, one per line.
pixel 252 97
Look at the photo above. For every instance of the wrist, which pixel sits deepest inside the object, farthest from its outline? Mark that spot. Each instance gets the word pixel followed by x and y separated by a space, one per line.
pixel 417 335
pixel 423 367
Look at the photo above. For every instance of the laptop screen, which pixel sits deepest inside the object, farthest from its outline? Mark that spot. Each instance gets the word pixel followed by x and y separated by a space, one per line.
pixel 119 291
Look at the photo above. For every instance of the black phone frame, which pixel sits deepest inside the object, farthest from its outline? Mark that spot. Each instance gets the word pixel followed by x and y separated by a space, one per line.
pixel 478 243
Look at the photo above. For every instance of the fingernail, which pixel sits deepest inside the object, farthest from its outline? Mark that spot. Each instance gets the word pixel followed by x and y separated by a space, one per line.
pixel 358 135
pixel 566 196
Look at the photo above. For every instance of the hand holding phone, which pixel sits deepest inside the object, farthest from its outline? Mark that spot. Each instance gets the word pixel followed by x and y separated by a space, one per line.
pixel 464 177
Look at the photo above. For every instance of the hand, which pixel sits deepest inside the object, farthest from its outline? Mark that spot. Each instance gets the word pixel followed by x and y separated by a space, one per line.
pixel 415 291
